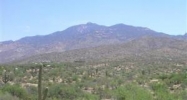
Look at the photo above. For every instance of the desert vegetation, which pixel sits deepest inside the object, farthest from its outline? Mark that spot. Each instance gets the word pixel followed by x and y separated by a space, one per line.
pixel 109 80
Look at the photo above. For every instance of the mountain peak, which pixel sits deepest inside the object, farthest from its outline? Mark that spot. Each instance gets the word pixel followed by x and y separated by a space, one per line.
pixel 90 23
pixel 121 25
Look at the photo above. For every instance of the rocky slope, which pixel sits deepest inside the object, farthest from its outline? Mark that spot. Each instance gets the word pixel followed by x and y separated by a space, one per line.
pixel 146 49
pixel 75 37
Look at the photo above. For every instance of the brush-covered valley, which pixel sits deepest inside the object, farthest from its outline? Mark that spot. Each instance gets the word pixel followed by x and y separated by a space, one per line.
pixel 114 80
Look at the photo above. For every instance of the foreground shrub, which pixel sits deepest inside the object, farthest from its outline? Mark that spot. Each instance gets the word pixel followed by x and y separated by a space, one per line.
pixel 15 90
pixel 7 96
pixel 132 92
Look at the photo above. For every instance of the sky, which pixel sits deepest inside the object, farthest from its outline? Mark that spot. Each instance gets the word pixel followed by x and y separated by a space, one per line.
pixel 20 18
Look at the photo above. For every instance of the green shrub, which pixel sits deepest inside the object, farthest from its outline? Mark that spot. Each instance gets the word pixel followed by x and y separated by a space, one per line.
pixel 65 92
pixel 132 92
pixel 7 96
pixel 15 90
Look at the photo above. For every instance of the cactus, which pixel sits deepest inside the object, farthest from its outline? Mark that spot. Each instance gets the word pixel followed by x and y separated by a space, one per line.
pixel 40 85
pixel 106 73
pixel 5 77
pixel 45 93
pixel 96 71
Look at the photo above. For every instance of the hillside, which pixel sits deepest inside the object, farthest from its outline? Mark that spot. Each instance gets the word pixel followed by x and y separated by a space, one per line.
pixel 75 37
pixel 145 48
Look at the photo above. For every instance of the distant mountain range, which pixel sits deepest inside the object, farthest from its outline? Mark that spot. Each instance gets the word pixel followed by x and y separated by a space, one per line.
pixel 89 36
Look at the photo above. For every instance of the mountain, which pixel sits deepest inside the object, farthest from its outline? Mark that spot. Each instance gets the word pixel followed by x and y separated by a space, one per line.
pixel 76 37
pixel 89 33
pixel 185 35
pixel 146 48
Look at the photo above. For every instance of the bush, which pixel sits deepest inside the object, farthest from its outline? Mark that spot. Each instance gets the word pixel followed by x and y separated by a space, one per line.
pixel 132 92
pixel 15 90
pixel 7 96
pixel 66 92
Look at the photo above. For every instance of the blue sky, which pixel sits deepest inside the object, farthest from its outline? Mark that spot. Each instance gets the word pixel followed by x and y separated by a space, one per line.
pixel 19 18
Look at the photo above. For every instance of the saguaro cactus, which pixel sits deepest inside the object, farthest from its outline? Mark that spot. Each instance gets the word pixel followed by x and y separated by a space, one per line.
pixel 40 85
pixel 45 93
pixel 96 71
pixel 40 82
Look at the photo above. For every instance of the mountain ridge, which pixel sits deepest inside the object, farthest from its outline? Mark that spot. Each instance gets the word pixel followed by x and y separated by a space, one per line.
pixel 75 37
pixel 146 48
